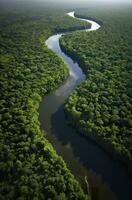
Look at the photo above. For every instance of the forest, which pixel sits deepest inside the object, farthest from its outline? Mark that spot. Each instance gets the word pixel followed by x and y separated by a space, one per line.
pixel 29 166
pixel 100 108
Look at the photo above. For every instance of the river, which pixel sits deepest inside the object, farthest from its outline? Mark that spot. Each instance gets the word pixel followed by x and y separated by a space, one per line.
pixel 107 178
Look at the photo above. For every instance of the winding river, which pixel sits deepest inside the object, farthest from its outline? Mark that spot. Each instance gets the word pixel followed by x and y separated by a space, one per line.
pixel 107 178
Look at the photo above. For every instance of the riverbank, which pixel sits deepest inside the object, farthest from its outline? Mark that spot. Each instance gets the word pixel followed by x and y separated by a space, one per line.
pixel 104 143
pixel 30 168
pixel 119 125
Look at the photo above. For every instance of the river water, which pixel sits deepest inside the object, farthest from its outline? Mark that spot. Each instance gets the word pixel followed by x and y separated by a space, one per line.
pixel 107 178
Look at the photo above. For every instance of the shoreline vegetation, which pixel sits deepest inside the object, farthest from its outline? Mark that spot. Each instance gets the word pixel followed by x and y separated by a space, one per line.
pixel 30 167
pixel 89 18
pixel 100 108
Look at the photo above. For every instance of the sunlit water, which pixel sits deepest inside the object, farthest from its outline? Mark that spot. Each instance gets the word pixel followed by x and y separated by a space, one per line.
pixel 107 178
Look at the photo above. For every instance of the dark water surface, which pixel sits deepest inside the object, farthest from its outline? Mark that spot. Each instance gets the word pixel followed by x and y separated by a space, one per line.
pixel 107 178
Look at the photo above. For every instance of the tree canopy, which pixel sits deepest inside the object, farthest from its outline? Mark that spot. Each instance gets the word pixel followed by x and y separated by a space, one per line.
pixel 100 108
pixel 29 166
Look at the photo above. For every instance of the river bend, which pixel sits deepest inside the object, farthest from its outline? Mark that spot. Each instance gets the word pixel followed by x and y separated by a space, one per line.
pixel 107 178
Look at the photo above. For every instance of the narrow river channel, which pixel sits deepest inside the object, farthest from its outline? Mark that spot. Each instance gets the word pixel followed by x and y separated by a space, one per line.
pixel 107 178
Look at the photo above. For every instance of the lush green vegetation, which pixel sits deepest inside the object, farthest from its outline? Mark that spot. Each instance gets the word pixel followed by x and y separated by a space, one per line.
pixel 29 166
pixel 100 107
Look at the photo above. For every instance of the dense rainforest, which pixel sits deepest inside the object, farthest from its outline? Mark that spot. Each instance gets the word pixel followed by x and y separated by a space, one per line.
pixel 29 166
pixel 100 108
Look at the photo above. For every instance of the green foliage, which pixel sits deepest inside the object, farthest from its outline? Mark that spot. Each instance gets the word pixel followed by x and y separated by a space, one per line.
pixel 103 100
pixel 29 166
